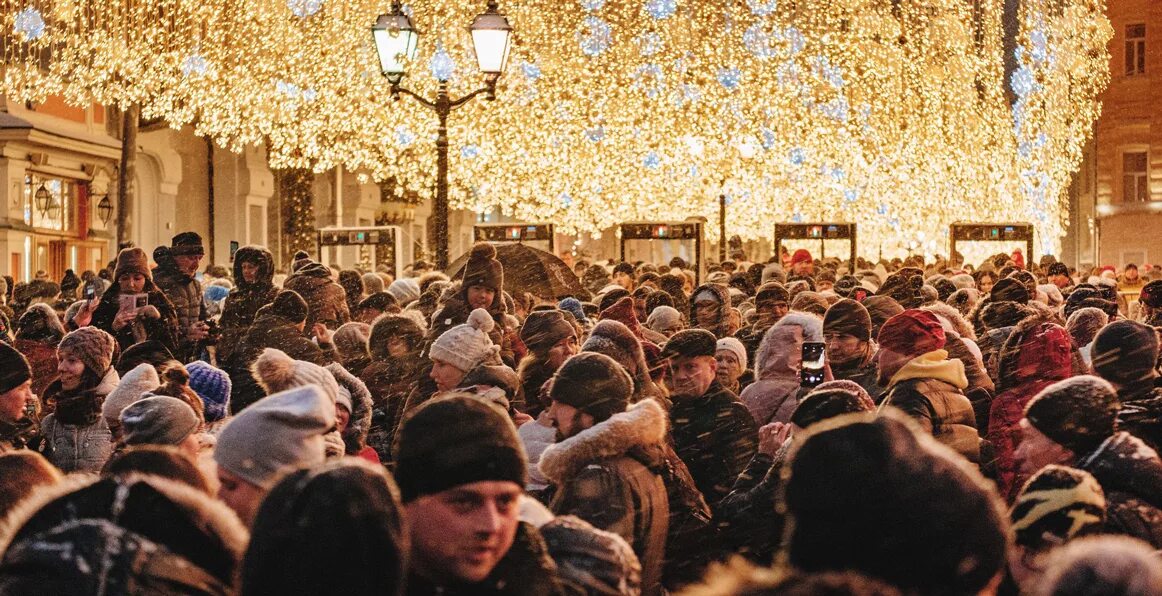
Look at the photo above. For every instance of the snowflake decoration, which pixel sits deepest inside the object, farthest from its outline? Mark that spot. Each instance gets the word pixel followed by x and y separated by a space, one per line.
pixel 652 161
pixel 661 9
pixel 470 151
pixel 597 38
pixel 404 136
pixel 730 77
pixel 595 134
pixel 530 70
pixel 195 64
pixel 797 156
pixel 441 65
pixel 29 23
pixel 304 8
pixel 566 200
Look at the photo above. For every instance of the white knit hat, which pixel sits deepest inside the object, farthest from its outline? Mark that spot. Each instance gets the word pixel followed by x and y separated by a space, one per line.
pixel 735 346
pixel 275 371
pixel 132 388
pixel 465 346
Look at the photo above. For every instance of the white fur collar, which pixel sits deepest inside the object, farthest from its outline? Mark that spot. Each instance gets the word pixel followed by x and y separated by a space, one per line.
pixel 644 423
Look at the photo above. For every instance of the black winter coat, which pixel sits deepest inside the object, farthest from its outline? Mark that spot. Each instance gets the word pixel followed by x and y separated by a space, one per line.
pixel 326 299
pixel 390 382
pixel 245 299
pixel 164 329
pixel 269 331
pixel 526 570
pixel 716 437
pixel 1141 414
pixel 1130 473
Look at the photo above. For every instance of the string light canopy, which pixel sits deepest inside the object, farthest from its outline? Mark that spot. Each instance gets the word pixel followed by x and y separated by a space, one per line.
pixel 890 114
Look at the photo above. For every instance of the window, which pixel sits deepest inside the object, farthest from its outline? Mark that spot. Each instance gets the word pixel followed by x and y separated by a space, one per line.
pixel 1135 49
pixel 54 208
pixel 1135 173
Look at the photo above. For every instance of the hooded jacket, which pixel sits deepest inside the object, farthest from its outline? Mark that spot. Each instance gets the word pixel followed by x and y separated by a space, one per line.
pixel 1035 356
pixel 269 331
pixel 608 475
pixel 928 389
pixel 1130 473
pixel 355 436
pixel 326 300
pixel 722 319
pixel 246 298
pixel 75 437
pixel 776 391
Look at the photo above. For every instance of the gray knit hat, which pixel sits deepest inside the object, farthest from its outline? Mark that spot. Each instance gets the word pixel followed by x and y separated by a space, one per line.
pixel 158 420
pixel 465 346
pixel 277 434
pixel 132 388
pixel 275 371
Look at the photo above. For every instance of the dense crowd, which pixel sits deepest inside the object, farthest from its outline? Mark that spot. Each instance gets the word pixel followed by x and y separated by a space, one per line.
pixel 174 428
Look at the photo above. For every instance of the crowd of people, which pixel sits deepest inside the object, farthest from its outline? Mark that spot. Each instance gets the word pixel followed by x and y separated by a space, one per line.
pixel 180 428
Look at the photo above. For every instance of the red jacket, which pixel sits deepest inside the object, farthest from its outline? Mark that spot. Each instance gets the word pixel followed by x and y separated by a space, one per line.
pixel 1035 356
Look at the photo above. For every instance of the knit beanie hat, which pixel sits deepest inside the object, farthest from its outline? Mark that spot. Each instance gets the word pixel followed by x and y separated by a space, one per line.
pixel 848 317
pixel 734 347
pixel 276 434
pixel 150 352
pixel 826 403
pixel 275 371
pixel 92 346
pixel 388 327
pixel 1152 294
pixel 616 341
pixel 455 440
pixel 800 256
pixel 213 385
pixel 1009 290
pixel 880 309
pixel 573 306
pixel 187 244
pixel 351 339
pixel 876 495
pixel 136 383
pixel 1077 413
pixel 158 420
pixel 372 283
pixel 664 318
pixel 1084 324
pixel 912 333
pixel 904 287
pixel 1124 352
pixel 1056 505
pixel 690 343
pixel 542 330
pixel 482 268
pixel 808 301
pixel 773 291
pixel 623 312
pixel 289 305
pixel 405 289
pixel 14 369
pixel 593 383
pixel 465 346
pixel 132 260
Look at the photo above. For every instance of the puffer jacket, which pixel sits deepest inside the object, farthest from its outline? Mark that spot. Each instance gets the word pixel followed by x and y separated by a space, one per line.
pixel 928 389
pixel 327 301
pixel 1130 474
pixel 1141 413
pixel 245 299
pixel 1035 356
pixel 75 437
pixel 776 391
pixel 609 475
pixel 185 294
pixel 862 372
pixel 269 331
pixel 722 321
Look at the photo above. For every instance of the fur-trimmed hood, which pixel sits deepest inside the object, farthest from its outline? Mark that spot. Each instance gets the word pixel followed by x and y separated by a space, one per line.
pixel 355 437
pixel 259 256
pixel 778 356
pixel 955 320
pixel 642 425
pixel 97 518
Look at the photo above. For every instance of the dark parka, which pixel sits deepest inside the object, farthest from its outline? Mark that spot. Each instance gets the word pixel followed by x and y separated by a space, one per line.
pixel 326 300
pixel 1141 413
pixel 609 475
pixel 246 298
pixel 716 436
pixel 525 570
pixel 185 293
pixel 268 331
pixel 1130 474
pixel 164 329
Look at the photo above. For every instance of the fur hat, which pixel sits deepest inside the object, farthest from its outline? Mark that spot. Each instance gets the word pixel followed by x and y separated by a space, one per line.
pixel 132 260
pixel 880 309
pixel 623 312
pixel 465 346
pixel 690 343
pixel 876 495
pixel 542 330
pixel 133 387
pixel 615 340
pixel 664 318
pixel 904 287
pixel 1077 413
pixel 351 340
pixel 1056 505
pixel 848 317
pixel 1009 290
pixel 158 420
pixel 289 305
pixel 92 346
pixel 187 244
pixel 912 333
pixel 277 372
pixel 735 347
pixel 276 434
pixel 1125 352
pixel 389 326
pixel 809 301
pixel 455 440
pixel 593 383
pixel 831 399
pixel 1084 324
pixel 372 283
pixel 482 268
pixel 1151 294
pixel 14 369
pixel 213 386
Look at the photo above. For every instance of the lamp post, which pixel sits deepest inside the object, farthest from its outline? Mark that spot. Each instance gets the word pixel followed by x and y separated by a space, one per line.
pixel 396 41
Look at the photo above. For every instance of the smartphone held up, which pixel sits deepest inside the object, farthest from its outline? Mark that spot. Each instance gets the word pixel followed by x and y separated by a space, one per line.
pixel 814 362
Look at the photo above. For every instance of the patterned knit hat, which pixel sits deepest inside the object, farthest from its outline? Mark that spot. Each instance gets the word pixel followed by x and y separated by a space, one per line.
pixel 132 260
pixel 275 371
pixel 1077 413
pixel 93 347
pixel 465 346
pixel 1056 505
pixel 213 386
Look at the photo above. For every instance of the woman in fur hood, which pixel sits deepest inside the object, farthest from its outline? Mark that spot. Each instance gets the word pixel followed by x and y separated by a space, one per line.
pixel 396 368
pixel 353 413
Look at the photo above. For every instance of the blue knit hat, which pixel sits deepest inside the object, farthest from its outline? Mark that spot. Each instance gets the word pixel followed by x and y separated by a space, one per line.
pixel 573 306
pixel 213 386
pixel 216 293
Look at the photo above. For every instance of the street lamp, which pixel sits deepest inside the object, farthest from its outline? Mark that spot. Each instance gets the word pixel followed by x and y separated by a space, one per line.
pixel 105 209
pixel 396 40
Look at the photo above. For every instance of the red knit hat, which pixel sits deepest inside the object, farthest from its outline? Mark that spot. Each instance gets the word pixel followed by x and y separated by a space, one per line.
pixel 912 333
pixel 622 311
pixel 801 256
